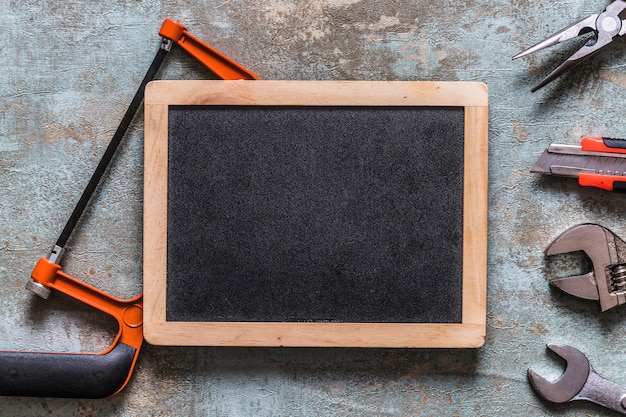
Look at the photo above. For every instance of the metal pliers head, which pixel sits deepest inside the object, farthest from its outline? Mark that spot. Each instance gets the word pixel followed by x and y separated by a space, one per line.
pixel 606 26
pixel 607 252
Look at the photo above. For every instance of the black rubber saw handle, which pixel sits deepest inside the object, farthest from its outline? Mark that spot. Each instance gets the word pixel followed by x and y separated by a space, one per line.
pixel 65 375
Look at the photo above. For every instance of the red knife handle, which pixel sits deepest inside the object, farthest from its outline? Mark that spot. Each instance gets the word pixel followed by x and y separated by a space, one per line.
pixel 599 144
pixel 606 182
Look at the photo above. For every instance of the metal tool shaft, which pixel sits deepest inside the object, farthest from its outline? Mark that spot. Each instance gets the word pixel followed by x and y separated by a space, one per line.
pixel 57 251
pixel 603 392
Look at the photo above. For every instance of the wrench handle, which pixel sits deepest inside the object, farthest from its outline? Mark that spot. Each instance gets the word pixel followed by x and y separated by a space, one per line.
pixel 603 392
pixel 65 375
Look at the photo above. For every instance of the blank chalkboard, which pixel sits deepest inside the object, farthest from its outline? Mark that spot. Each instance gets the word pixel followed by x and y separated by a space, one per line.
pixel 315 213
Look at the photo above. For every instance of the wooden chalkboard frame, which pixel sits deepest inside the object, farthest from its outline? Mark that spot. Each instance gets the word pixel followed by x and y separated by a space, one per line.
pixel 472 96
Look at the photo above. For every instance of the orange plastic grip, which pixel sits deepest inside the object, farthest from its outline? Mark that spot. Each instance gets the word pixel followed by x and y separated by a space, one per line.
pixel 605 182
pixel 597 144
pixel 128 313
pixel 223 66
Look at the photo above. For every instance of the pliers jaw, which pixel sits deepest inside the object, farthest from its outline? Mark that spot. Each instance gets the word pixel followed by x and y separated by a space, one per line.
pixel 607 252
pixel 606 26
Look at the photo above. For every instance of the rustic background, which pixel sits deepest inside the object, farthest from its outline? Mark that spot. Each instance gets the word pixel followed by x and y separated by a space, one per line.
pixel 69 70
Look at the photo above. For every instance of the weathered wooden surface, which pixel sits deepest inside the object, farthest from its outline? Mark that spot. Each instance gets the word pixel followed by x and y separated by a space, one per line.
pixel 69 70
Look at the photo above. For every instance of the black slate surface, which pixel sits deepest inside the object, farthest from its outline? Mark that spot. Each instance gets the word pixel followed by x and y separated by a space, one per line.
pixel 342 214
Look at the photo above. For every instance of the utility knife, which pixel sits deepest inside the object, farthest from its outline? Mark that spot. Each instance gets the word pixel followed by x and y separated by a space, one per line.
pixel 597 162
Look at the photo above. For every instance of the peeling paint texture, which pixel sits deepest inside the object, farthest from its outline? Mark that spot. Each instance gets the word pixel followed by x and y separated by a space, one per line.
pixel 69 70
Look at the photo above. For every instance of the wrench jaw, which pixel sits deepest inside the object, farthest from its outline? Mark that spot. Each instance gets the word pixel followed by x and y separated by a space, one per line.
pixel 543 387
pixel 607 252
pixel 581 286
pixel 570 384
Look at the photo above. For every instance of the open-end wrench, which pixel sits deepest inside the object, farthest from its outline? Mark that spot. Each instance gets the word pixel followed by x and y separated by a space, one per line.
pixel 607 252
pixel 579 382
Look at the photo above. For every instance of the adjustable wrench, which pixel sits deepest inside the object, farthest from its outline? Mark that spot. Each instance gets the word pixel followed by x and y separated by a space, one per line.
pixel 98 375
pixel 579 382
pixel 607 281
